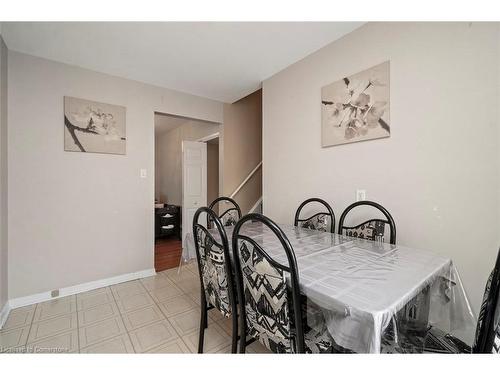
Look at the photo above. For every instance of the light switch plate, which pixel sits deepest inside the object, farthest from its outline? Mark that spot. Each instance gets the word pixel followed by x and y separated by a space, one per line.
pixel 360 195
pixel 144 173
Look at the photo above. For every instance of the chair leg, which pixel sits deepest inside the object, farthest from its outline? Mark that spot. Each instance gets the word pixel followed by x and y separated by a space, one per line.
pixel 234 343
pixel 243 336
pixel 203 325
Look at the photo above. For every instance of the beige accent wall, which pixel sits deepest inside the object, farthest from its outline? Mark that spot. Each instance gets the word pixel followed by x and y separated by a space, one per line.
pixel 169 157
pixel 242 138
pixel 212 171
pixel 79 217
pixel 3 176
pixel 438 173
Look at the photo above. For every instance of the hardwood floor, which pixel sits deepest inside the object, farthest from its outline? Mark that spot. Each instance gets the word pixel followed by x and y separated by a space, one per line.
pixel 167 253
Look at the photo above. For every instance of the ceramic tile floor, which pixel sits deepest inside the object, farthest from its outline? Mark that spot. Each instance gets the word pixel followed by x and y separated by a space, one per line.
pixel 158 314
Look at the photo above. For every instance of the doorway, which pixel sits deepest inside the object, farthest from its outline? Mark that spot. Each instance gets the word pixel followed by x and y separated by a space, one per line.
pixel 201 181
pixel 212 169
pixel 173 186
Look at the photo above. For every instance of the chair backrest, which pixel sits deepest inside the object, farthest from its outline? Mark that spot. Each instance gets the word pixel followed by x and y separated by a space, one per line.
pixel 268 291
pixel 214 263
pixel 488 323
pixel 318 221
pixel 373 229
pixel 229 216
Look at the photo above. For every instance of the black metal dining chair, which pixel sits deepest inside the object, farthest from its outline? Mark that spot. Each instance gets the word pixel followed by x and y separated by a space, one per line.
pixel 323 221
pixel 269 294
pixel 372 229
pixel 216 276
pixel 487 339
pixel 229 216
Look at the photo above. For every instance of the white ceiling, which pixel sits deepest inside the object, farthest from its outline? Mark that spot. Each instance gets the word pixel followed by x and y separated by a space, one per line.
pixel 218 60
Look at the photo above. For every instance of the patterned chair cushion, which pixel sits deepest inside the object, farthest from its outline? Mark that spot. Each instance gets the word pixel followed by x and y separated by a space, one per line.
pixel 214 273
pixel 266 300
pixel 496 341
pixel 437 341
pixel 230 218
pixel 483 309
pixel 317 222
pixel 318 342
pixel 370 230
pixel 317 339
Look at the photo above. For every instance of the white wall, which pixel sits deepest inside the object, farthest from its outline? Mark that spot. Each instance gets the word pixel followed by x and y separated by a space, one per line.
pixel 3 176
pixel 78 217
pixel 169 157
pixel 438 173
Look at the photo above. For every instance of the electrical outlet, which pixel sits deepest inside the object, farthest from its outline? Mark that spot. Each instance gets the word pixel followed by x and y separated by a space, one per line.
pixel 360 195
pixel 54 293
pixel 144 173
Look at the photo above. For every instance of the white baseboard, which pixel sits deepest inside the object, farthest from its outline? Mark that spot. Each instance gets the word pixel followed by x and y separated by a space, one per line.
pixel 68 291
pixel 4 313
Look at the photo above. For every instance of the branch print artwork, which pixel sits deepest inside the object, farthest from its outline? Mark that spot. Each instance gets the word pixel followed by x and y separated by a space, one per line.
pixel 356 108
pixel 93 127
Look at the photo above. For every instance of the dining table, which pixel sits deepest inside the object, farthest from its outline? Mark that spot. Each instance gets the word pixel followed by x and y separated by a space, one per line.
pixel 371 296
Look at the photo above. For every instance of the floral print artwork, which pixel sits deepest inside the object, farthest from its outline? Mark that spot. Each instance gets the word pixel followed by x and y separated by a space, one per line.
pixel 356 108
pixel 94 127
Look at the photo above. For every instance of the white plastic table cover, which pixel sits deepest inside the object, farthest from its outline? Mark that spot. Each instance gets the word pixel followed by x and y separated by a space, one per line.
pixel 361 286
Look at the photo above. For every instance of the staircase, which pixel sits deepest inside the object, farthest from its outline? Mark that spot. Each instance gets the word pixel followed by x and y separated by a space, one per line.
pixel 257 205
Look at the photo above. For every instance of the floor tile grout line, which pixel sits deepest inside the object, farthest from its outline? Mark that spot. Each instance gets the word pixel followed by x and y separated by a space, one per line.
pixel 179 335
pixel 39 321
pixel 161 311
pixel 57 315
pixel 215 323
pixel 52 335
pixel 16 327
pixel 168 320
pixel 77 324
pixel 121 317
pixel 31 326
pixel 115 298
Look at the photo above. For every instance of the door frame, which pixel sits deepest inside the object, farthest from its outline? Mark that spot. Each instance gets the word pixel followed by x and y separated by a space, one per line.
pixel 221 153
pixel 209 137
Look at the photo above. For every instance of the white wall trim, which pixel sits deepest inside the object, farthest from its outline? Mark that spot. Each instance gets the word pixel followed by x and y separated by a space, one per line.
pixel 254 207
pixel 4 314
pixel 208 137
pixel 68 291
pixel 246 180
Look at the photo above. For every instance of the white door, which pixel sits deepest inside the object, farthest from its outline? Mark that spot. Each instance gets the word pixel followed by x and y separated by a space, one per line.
pixel 194 185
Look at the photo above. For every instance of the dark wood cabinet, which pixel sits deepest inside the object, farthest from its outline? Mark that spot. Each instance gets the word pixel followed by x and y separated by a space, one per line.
pixel 168 221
